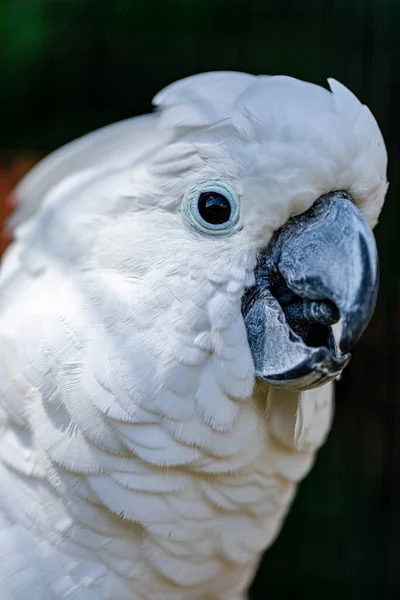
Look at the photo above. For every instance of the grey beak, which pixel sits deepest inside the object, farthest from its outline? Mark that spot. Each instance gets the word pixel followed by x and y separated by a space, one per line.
pixel 321 266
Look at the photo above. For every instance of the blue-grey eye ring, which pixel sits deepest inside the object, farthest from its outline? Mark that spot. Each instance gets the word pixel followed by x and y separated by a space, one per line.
pixel 212 209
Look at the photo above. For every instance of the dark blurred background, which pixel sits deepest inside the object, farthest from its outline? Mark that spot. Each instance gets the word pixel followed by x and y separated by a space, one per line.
pixel 70 66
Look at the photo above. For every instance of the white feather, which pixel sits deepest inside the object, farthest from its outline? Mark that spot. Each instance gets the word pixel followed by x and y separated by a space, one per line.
pixel 118 144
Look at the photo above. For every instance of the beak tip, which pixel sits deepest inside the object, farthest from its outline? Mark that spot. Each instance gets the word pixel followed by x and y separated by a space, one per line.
pixel 356 322
pixel 346 342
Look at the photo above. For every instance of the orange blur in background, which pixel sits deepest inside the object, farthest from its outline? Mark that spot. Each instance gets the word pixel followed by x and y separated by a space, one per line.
pixel 11 171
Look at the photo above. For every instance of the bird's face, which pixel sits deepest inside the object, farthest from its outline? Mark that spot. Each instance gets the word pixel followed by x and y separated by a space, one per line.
pixel 260 231
pixel 318 268
pixel 242 278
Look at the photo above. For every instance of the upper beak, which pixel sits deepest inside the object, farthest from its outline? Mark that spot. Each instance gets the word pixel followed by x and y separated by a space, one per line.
pixel 321 266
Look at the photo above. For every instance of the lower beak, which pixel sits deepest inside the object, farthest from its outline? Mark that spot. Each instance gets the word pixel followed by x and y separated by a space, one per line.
pixel 319 268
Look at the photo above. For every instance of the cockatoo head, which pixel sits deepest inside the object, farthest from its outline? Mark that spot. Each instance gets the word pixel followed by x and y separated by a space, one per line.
pixel 264 196
pixel 234 246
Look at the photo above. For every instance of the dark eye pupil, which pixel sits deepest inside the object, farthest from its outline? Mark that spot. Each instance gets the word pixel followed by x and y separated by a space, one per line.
pixel 214 208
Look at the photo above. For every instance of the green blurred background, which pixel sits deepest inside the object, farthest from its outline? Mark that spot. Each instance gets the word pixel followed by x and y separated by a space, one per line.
pixel 69 66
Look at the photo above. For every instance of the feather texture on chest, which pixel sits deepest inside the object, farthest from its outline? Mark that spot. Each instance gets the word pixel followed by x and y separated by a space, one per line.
pixel 154 437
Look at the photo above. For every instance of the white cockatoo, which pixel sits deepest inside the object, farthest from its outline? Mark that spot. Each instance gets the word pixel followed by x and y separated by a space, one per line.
pixel 166 350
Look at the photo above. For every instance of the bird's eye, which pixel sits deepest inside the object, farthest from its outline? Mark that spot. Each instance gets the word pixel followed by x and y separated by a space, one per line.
pixel 211 208
pixel 214 208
